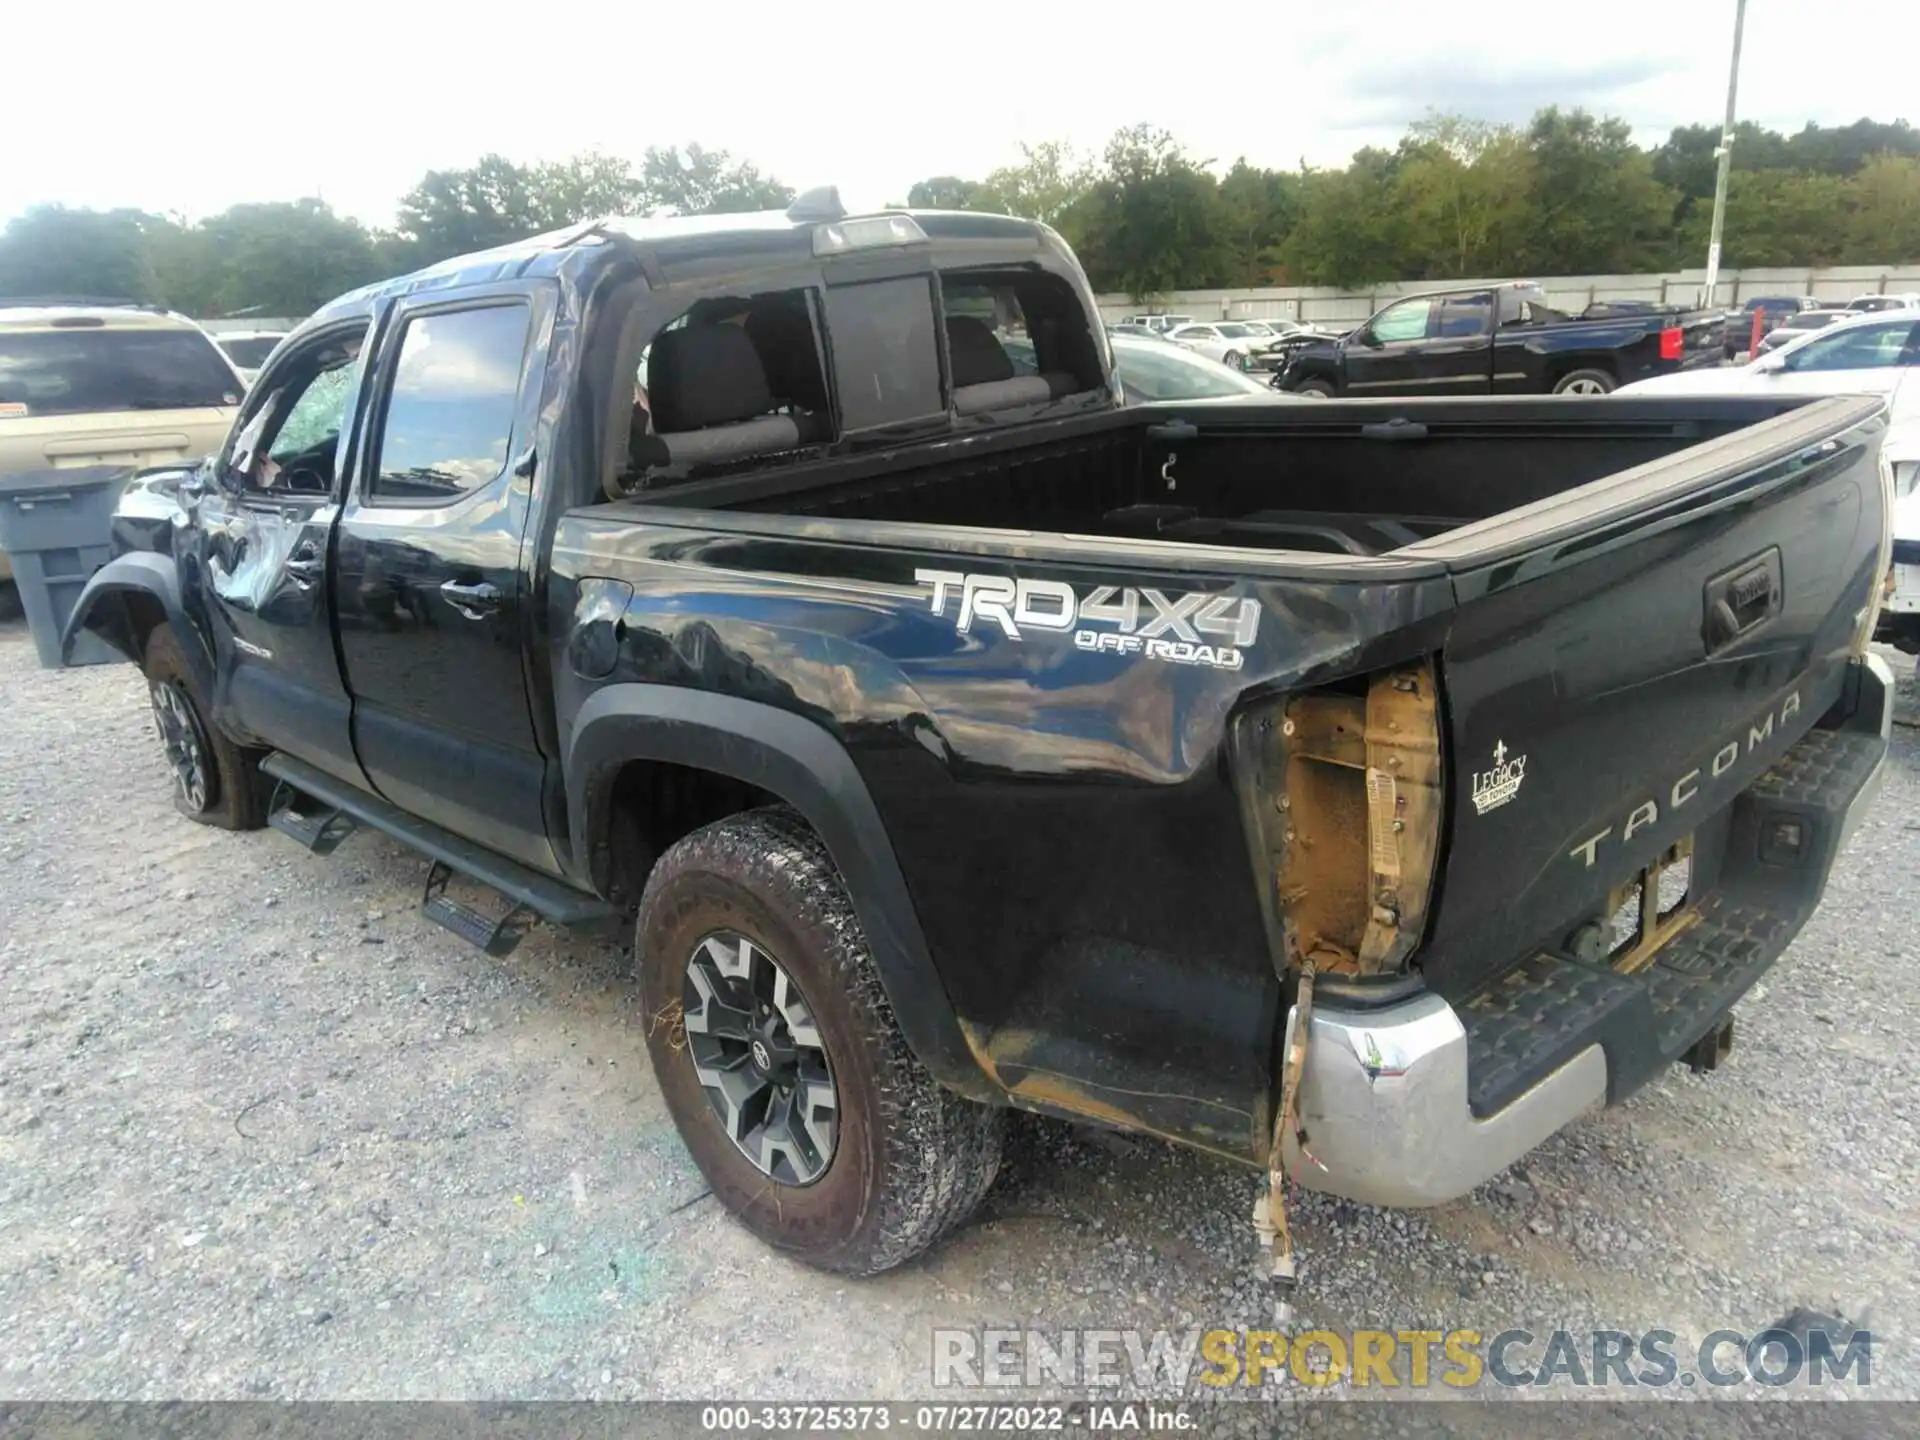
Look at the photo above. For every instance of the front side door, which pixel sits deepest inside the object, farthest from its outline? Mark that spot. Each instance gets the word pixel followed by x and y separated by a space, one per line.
pixel 433 612
pixel 1383 357
pixel 265 519
pixel 1862 359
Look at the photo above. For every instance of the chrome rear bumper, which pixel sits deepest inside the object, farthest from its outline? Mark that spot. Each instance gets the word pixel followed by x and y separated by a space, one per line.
pixel 1384 1099
pixel 1383 1102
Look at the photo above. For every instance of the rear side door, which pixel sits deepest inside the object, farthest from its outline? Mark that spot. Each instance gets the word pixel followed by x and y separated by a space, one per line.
pixel 264 522
pixel 429 577
pixel 1458 359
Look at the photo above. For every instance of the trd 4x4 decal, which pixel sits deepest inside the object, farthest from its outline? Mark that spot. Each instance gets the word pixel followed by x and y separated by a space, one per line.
pixel 1182 629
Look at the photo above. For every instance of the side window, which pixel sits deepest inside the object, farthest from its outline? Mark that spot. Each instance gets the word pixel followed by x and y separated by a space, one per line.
pixel 449 418
pixel 1405 321
pixel 290 444
pixel 733 378
pixel 1870 347
pixel 886 357
pixel 1465 316
pixel 1016 338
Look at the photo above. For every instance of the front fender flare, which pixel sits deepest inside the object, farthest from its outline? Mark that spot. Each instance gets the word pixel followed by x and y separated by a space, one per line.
pixel 145 573
pixel 804 765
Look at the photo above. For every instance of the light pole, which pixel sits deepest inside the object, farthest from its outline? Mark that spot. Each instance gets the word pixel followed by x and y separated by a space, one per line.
pixel 1725 156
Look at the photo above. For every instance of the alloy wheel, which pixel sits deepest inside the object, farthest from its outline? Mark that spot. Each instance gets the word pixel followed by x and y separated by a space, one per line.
pixel 184 743
pixel 759 1057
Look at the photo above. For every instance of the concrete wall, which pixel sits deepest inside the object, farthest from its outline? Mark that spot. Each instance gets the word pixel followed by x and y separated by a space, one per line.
pixel 1568 292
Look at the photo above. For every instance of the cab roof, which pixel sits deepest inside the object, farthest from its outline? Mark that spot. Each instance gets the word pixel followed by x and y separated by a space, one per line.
pixel 756 239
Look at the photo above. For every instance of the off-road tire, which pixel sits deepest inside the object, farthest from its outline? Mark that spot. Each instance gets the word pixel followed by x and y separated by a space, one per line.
pixel 911 1159
pixel 234 800
pixel 1576 382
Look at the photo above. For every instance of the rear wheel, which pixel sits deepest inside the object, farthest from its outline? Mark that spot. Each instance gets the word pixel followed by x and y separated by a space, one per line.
pixel 779 1057
pixel 214 781
pixel 1585 382
pixel 1314 389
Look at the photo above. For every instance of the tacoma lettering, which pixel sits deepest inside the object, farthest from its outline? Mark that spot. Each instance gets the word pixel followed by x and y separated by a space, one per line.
pixel 1687 787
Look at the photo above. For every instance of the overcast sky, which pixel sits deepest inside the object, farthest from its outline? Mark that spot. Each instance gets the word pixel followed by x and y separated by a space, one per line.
pixel 190 105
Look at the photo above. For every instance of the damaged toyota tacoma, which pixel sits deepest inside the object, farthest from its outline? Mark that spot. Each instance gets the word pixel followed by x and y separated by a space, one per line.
pixel 1358 791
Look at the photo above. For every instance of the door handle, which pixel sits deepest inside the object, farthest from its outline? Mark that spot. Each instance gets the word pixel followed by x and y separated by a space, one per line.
pixel 475 600
pixel 306 567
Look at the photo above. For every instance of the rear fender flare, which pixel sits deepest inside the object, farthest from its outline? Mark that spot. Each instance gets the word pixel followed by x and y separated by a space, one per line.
pixel 803 764
pixel 146 573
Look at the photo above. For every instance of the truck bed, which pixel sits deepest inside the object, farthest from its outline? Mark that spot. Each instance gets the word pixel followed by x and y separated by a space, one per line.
pixel 1353 478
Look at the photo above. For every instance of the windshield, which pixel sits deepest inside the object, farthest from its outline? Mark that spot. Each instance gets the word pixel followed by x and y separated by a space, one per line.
pixel 78 372
pixel 250 353
pixel 1166 372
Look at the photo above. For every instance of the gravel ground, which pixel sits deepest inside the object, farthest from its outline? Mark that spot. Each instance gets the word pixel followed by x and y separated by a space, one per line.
pixel 267 1133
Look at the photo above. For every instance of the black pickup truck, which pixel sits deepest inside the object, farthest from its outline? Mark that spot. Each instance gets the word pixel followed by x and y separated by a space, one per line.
pixel 1501 340
pixel 1358 791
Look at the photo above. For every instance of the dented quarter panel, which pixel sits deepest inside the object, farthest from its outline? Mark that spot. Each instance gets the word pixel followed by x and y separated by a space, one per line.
pixel 1087 793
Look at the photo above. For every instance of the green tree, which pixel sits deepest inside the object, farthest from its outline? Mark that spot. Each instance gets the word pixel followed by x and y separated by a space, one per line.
pixel 588 186
pixel 1152 220
pixel 1043 186
pixel 1846 149
pixel 1350 231
pixel 1774 217
pixel 1463 194
pixel 283 258
pixel 944 192
pixel 1258 207
pixel 454 212
pixel 706 182
pixel 1686 161
pixel 1596 207
pixel 1883 212
pixel 51 250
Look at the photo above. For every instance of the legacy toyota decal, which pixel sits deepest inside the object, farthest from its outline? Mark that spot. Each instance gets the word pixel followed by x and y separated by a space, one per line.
pixel 1494 788
pixel 1186 629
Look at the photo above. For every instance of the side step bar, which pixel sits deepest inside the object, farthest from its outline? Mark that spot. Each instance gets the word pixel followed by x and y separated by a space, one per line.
pixel 320 811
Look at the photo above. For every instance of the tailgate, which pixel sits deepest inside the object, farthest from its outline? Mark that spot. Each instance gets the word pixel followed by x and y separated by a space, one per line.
pixel 1703 339
pixel 1631 655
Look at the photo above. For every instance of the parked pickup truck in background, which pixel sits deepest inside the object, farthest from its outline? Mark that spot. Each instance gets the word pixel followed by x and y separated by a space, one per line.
pixel 1503 340
pixel 1396 779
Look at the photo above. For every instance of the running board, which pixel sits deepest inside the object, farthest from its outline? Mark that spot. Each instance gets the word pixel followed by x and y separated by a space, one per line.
pixel 495 936
pixel 320 811
pixel 314 823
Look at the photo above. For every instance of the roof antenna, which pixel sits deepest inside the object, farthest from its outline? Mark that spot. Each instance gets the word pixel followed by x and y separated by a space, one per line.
pixel 820 203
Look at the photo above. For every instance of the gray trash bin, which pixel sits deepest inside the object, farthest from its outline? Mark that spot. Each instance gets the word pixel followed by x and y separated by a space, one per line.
pixel 57 528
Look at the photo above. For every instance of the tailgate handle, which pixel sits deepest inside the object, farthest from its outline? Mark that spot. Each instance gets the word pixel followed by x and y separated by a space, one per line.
pixel 1741 600
pixel 1398 428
